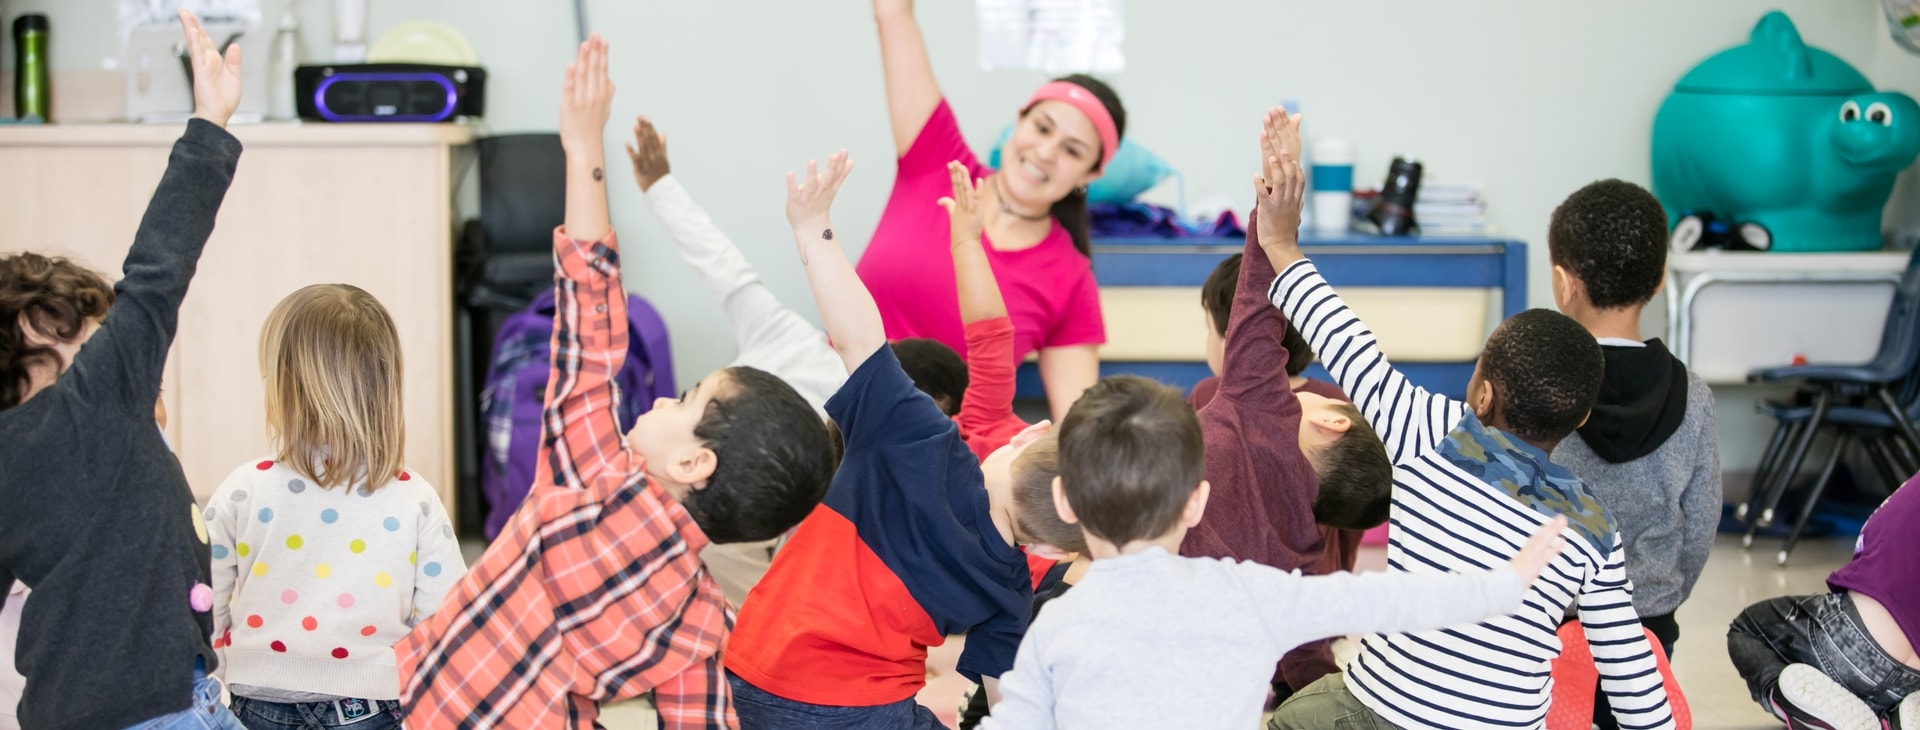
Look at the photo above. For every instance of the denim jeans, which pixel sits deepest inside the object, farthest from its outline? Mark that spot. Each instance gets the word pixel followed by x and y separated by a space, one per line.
pixel 760 710
pixel 206 713
pixel 1824 631
pixel 356 714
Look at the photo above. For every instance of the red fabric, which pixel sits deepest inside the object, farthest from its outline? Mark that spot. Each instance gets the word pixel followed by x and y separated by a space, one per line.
pixel 1575 678
pixel 986 416
pixel 867 646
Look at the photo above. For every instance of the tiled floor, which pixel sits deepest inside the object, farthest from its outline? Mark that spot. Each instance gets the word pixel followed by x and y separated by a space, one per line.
pixel 1734 579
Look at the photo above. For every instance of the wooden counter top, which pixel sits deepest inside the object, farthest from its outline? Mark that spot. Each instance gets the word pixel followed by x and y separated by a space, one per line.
pixel 273 134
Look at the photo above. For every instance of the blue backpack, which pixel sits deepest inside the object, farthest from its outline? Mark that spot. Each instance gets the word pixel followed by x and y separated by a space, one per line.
pixel 516 391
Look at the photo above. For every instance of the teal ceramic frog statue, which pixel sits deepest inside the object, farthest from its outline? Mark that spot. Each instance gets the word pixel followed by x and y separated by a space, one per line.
pixel 1787 136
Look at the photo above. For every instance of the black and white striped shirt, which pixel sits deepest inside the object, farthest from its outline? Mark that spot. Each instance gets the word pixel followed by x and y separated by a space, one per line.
pixel 1465 498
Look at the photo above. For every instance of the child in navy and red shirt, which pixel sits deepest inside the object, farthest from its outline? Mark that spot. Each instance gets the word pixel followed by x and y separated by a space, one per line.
pixel 914 542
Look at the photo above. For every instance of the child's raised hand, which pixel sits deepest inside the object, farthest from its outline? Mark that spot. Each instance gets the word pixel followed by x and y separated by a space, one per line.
pixel 1542 548
pixel 1280 189
pixel 963 207
pixel 648 150
pixel 586 98
pixel 809 200
pixel 216 78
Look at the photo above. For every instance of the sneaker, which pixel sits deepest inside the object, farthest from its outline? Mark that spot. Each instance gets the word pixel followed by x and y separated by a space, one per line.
pixel 1805 698
pixel 1906 715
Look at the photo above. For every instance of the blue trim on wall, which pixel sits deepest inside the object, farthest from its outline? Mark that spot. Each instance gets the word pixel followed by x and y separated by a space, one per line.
pixel 1446 378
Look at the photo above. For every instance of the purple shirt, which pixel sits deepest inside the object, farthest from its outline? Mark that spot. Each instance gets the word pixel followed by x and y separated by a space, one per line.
pixel 1263 486
pixel 1883 567
pixel 1049 288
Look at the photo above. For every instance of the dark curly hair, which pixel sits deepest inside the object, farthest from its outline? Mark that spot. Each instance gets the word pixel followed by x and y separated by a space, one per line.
pixel 56 297
pixel 935 369
pixel 776 459
pixel 1612 235
pixel 1071 211
pixel 1545 369
pixel 1216 294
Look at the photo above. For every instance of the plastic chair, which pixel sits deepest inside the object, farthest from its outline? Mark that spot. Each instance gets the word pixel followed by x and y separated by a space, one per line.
pixel 1873 404
pixel 1575 677
pixel 502 260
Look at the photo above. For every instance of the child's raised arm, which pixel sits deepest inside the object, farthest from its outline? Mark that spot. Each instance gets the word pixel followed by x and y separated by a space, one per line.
pixel 973 276
pixel 580 435
pixel 585 100
pixel 846 307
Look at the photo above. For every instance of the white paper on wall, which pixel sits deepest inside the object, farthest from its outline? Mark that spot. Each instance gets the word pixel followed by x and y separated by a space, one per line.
pixel 1052 36
pixel 135 13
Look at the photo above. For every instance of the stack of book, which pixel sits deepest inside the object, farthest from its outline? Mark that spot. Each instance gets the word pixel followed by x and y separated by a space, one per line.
pixel 1450 209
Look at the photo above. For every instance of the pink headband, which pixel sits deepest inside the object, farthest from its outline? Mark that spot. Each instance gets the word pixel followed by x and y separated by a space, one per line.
pixel 1083 100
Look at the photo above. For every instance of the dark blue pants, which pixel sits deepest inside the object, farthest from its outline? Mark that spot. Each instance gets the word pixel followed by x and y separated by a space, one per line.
pixel 761 710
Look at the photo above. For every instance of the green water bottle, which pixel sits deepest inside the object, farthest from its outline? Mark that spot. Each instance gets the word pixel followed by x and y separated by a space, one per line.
pixel 32 92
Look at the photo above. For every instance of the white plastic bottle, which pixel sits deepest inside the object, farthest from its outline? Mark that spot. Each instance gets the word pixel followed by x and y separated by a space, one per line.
pixel 286 57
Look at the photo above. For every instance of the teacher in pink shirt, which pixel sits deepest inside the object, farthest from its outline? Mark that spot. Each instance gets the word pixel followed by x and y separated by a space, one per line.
pixel 1036 213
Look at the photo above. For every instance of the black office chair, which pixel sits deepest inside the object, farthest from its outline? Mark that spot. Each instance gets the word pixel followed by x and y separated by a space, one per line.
pixel 1873 405
pixel 502 261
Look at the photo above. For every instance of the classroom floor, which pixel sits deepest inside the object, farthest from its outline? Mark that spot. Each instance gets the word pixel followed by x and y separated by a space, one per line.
pixel 1734 579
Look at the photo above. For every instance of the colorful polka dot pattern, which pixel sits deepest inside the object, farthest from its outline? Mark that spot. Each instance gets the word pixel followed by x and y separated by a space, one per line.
pixel 199 524
pixel 202 596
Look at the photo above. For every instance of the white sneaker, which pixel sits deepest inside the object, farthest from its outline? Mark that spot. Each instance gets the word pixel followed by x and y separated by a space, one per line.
pixel 1805 698
pixel 1907 713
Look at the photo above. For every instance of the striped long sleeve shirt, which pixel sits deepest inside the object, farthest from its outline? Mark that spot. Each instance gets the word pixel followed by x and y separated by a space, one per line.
pixel 594 590
pixel 1465 498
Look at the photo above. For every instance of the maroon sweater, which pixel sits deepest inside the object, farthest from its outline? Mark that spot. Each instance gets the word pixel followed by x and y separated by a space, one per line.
pixel 1261 508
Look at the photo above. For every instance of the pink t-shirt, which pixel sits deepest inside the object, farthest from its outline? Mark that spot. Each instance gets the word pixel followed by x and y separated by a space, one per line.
pixel 1049 288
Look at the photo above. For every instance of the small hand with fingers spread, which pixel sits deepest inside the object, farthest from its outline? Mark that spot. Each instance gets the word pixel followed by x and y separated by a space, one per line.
pixel 648 150
pixel 1280 189
pixel 963 207
pixel 1542 548
pixel 216 78
pixel 810 200
pixel 586 98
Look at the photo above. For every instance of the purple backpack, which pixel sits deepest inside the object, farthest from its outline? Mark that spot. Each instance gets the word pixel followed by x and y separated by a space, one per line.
pixel 516 391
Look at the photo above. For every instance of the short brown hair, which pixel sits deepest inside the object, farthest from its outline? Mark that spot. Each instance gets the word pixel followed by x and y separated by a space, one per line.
pixel 1356 477
pixel 330 356
pixel 57 297
pixel 1130 457
pixel 1216 295
pixel 1034 513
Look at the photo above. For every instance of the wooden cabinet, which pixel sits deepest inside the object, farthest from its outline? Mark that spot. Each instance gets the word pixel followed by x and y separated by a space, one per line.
pixel 367 205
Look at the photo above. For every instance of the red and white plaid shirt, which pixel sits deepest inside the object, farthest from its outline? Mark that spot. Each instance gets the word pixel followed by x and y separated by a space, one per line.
pixel 594 591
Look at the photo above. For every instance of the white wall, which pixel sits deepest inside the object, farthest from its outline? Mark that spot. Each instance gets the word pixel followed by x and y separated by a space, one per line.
pixel 1533 99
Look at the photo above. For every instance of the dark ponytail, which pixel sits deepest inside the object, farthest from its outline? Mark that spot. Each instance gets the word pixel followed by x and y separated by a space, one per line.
pixel 1071 211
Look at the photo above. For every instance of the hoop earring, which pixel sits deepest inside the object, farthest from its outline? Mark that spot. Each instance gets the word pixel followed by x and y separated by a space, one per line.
pixel 1081 190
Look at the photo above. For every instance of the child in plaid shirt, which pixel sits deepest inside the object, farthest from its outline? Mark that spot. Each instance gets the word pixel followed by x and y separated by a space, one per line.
pixel 595 591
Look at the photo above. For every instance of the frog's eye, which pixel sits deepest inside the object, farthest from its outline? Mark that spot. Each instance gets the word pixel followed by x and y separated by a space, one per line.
pixel 1849 111
pixel 1879 113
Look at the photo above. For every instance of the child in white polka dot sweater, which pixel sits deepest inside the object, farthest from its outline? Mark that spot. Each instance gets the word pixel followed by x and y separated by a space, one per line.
pixel 318 569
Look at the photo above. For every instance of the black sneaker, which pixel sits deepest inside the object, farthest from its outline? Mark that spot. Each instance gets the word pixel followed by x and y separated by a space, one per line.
pixel 1805 699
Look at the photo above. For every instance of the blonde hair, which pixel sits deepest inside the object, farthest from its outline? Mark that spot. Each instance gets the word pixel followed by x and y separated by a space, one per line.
pixel 330 359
